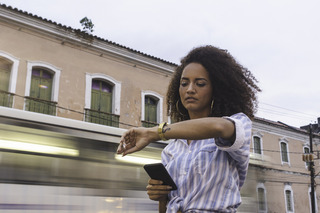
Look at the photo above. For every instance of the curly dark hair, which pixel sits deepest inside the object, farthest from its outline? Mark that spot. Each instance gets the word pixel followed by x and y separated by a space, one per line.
pixel 234 87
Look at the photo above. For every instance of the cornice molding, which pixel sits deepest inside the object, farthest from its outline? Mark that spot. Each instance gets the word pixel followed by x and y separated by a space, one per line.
pixel 78 38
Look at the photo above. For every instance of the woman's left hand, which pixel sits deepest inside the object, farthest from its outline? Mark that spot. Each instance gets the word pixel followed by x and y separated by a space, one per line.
pixel 157 191
pixel 136 139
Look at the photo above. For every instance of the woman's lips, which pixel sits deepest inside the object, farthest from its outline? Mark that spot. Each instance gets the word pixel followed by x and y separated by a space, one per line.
pixel 190 99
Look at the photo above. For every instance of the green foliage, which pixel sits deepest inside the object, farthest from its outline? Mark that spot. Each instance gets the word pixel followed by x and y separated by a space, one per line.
pixel 87 24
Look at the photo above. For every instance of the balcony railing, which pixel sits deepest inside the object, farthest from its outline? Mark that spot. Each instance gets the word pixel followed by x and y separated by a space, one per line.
pixel 40 106
pixel 6 98
pixel 103 118
pixel 148 124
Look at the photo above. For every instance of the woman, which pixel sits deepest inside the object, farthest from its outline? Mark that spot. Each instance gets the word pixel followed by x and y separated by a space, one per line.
pixel 213 99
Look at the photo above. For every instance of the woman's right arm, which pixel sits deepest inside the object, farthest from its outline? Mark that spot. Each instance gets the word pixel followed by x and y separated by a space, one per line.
pixel 136 139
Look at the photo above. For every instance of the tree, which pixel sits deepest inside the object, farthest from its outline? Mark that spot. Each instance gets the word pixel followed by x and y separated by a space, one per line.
pixel 87 24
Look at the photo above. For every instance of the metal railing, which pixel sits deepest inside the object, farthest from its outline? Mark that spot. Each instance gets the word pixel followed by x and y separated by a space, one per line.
pixel 40 106
pixel 103 118
pixel 148 124
pixel 6 98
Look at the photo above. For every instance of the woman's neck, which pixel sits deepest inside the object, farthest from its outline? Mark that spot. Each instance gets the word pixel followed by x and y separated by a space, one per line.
pixel 193 115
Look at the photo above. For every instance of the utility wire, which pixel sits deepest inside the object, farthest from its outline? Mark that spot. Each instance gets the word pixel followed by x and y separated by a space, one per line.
pixel 305 116
pixel 288 109
pixel 285 112
pixel 71 110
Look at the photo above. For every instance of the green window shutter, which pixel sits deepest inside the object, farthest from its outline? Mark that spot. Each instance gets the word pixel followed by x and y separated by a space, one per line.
pixel 153 113
pixel 34 88
pixel 4 79
pixel 106 102
pixel 95 99
pixel 150 109
pixel 5 70
pixel 45 89
pixel 101 103
pixel 101 96
pixel 5 99
pixel 41 87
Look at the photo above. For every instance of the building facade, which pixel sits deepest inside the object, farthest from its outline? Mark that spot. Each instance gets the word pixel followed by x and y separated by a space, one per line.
pixel 50 69
pixel 56 70
pixel 283 181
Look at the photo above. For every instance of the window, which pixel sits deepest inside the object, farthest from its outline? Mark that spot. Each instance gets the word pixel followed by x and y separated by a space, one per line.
pixel 262 203
pixel 101 104
pixel 41 92
pixel 257 145
pixel 42 88
pixel 151 113
pixel 315 200
pixel 101 96
pixel 289 198
pixel 150 110
pixel 102 100
pixel 5 71
pixel 8 78
pixel 306 150
pixel 284 151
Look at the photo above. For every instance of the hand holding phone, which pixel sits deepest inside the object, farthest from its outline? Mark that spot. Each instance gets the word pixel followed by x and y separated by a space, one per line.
pixel 157 171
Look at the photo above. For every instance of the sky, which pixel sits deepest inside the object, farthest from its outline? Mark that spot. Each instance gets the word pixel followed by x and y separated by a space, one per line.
pixel 277 40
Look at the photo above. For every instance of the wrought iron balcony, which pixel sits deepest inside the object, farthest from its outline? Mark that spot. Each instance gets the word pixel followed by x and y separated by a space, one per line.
pixel 103 118
pixel 6 98
pixel 40 106
pixel 148 124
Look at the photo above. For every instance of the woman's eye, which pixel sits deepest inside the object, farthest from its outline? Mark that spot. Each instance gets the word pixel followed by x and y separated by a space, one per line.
pixel 201 84
pixel 183 84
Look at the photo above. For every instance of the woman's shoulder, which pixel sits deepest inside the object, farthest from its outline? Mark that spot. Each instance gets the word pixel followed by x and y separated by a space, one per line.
pixel 240 116
pixel 241 119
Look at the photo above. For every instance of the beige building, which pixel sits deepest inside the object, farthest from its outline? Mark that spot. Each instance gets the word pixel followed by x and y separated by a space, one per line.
pixel 74 70
pixel 54 70
pixel 283 181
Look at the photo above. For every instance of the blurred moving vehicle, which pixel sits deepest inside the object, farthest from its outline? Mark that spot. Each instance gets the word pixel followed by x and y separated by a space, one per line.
pixel 53 164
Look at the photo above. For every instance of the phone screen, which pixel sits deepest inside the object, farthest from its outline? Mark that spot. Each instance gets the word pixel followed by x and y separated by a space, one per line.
pixel 157 171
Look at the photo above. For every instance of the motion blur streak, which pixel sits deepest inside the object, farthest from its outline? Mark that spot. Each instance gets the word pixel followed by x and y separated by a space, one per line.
pixel 52 164
pixel 83 176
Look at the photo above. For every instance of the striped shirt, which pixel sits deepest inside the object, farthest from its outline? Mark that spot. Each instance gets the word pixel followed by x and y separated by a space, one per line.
pixel 209 173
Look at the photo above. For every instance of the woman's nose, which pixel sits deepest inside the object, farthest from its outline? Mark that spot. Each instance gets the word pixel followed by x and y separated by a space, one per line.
pixel 190 88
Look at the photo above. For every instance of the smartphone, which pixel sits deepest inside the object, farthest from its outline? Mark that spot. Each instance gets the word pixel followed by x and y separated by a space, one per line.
pixel 157 171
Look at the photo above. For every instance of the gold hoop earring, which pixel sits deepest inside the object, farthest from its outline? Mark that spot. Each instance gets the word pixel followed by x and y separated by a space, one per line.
pixel 212 105
pixel 177 107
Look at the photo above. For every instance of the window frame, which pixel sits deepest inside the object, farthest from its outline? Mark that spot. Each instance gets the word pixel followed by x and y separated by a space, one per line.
pixel 116 90
pixel 42 79
pixel 55 80
pixel 258 135
pixel 14 70
pixel 287 187
pixel 306 147
pixel 159 105
pixel 285 141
